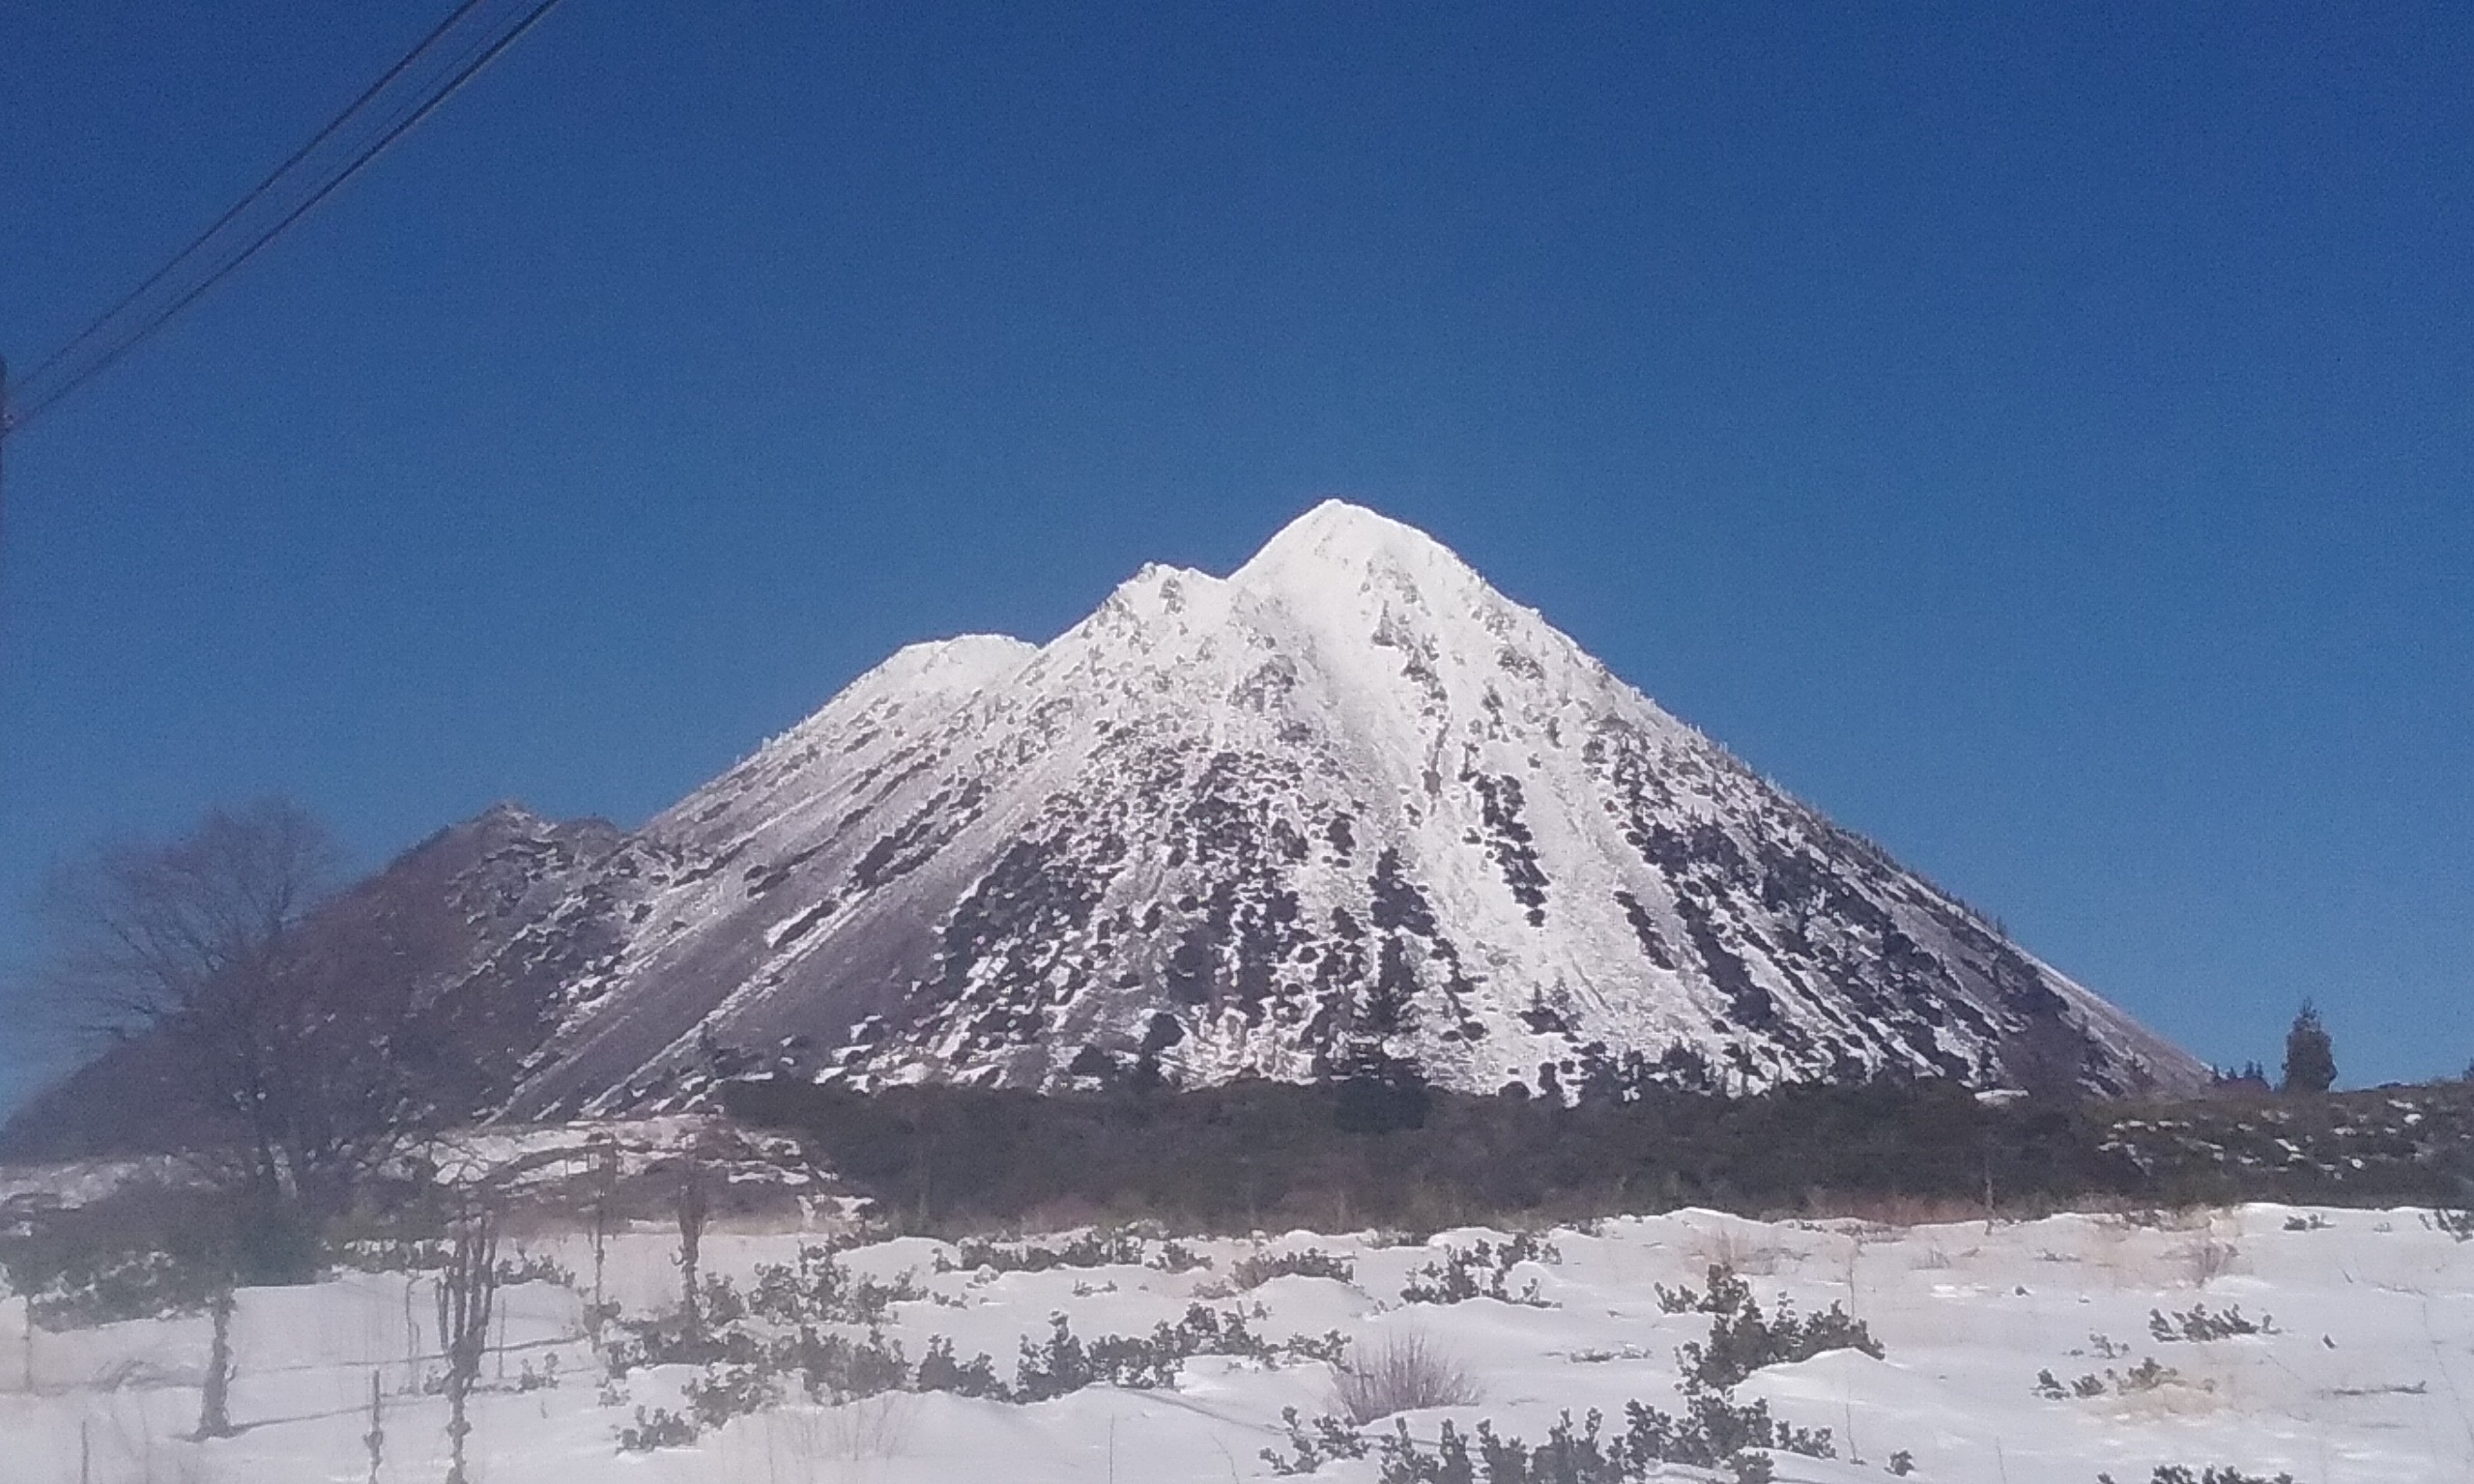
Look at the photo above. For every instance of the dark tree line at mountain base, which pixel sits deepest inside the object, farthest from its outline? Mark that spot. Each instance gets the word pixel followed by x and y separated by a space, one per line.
pixel 1252 1154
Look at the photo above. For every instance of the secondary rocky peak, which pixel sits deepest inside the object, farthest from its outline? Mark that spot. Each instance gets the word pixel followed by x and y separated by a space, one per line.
pixel 963 662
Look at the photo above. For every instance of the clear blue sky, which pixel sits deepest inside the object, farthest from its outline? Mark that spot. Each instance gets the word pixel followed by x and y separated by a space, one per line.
pixel 2041 436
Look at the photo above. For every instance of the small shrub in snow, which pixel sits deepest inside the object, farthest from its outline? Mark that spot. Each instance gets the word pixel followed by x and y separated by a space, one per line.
pixel 1107 1247
pixel 2313 1222
pixel 940 1370
pixel 1064 1363
pixel 1714 1430
pixel 2457 1224
pixel 727 1391
pixel 1482 1271
pixel 814 1288
pixel 2178 1474
pixel 658 1428
pixel 2197 1325
pixel 1310 1448
pixel 534 1267
pixel 833 1367
pixel 1718 1435
pixel 545 1378
pixel 1405 1371
pixel 1742 1339
pixel 1256 1271
pixel 2147 1376
pixel 2049 1386
pixel 1175 1256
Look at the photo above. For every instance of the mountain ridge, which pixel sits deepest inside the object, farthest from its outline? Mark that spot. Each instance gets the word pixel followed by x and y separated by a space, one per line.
pixel 1141 840
pixel 1347 806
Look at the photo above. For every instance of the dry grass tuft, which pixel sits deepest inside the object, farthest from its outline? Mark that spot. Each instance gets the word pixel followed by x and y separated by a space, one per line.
pixel 866 1427
pixel 1737 1251
pixel 1402 1372
pixel 2206 1260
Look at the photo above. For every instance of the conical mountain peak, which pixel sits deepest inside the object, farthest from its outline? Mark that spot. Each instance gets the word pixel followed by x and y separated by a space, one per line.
pixel 1337 541
pixel 1349 801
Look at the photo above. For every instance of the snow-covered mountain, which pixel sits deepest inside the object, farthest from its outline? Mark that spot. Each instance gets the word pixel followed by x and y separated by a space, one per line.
pixel 1347 798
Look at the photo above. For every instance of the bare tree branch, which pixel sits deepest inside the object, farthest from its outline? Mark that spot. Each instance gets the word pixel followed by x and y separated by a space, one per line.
pixel 287 1041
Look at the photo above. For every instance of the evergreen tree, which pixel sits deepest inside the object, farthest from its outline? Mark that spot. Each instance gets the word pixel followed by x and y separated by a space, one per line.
pixel 2310 1059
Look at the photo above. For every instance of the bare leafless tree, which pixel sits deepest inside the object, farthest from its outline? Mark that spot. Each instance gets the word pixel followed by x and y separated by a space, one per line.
pixel 467 1291
pixel 288 1048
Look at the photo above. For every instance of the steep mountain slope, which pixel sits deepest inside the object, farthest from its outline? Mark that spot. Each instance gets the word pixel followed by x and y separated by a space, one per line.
pixel 1345 806
pixel 1346 799
pixel 479 927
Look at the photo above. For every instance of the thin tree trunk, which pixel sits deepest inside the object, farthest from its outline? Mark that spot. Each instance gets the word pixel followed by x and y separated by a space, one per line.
pixel 376 1437
pixel 412 1339
pixel 692 1211
pixel 467 1291
pixel 215 1410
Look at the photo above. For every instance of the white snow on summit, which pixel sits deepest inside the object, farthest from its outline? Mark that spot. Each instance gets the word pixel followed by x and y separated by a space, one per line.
pixel 1347 801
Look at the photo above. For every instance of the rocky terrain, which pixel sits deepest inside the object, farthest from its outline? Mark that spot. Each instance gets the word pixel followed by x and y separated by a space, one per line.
pixel 1347 805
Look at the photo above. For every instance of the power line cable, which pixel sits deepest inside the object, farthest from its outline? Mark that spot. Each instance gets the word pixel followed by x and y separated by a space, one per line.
pixel 432 91
pixel 476 60
pixel 257 192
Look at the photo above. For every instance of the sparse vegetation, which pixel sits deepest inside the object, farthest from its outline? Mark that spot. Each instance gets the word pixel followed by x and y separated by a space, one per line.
pixel 2147 1376
pixel 1063 1362
pixel 1255 1270
pixel 1404 1371
pixel 751 1350
pixel 657 1427
pixel 814 1288
pixel 2457 1224
pixel 1313 1446
pixel 1742 1339
pixel 2198 1325
pixel 1715 1433
pixel 2178 1474
pixel 1482 1271
pixel 1105 1247
pixel 1714 1430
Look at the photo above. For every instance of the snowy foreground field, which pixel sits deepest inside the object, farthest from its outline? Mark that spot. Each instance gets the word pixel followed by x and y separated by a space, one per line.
pixel 2364 1376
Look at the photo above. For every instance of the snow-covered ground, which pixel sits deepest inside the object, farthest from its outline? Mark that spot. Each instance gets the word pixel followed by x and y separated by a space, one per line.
pixel 2365 1380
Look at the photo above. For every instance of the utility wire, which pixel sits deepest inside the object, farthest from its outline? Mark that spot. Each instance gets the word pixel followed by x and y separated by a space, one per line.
pixel 43 399
pixel 258 191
